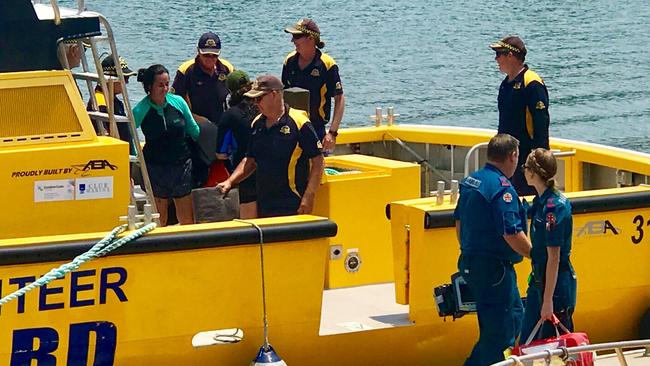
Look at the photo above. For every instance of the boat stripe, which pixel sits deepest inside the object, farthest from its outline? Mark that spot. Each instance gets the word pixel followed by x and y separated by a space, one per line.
pixel 173 242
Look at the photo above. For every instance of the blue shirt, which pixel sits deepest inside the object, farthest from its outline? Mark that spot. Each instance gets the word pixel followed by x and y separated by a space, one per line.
pixel 551 226
pixel 488 208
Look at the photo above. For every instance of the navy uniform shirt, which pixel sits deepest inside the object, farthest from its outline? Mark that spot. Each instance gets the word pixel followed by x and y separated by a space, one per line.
pixel 551 226
pixel 320 77
pixel 523 111
pixel 282 154
pixel 488 208
pixel 205 94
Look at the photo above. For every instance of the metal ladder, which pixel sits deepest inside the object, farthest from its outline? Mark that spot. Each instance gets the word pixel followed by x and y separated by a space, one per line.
pixel 107 86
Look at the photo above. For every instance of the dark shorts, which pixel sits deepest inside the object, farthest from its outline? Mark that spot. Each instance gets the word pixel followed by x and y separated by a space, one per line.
pixel 248 190
pixel 171 180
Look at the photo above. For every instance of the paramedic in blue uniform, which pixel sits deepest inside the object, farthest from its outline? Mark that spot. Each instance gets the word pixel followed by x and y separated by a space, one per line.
pixel 523 104
pixel 309 68
pixel 491 229
pixel 283 150
pixel 552 284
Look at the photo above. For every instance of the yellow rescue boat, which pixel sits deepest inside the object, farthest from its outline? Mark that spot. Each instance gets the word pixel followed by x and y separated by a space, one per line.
pixel 351 285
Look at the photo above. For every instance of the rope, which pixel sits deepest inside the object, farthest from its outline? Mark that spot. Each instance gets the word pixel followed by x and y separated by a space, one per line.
pixel 266 323
pixel 103 247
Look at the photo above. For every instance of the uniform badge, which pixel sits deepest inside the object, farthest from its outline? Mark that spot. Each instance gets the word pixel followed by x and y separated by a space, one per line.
pixel 504 182
pixel 540 105
pixel 222 77
pixel 472 182
pixel 315 73
pixel 199 83
pixel 550 221
pixel 550 203
pixel 507 197
pixel 517 86
pixel 285 130
pixel 319 145
pixel 338 85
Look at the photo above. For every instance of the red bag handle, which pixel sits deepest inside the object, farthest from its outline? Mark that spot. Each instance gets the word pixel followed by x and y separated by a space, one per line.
pixel 556 324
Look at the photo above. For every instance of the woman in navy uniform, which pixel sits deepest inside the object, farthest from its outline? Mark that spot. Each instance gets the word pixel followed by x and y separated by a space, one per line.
pixel 491 229
pixel 552 284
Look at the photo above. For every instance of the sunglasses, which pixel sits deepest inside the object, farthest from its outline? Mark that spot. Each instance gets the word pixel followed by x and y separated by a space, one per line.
pixel 298 36
pixel 502 52
pixel 260 97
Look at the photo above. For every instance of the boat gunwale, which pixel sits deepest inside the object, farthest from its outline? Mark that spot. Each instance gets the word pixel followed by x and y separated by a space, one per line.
pixel 173 241
pixel 435 219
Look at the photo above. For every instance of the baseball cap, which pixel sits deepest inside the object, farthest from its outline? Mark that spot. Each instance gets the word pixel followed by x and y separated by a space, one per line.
pixel 209 43
pixel 510 43
pixel 304 26
pixel 264 84
pixel 108 66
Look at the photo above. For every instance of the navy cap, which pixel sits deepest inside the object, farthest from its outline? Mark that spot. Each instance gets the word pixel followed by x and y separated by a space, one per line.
pixel 209 43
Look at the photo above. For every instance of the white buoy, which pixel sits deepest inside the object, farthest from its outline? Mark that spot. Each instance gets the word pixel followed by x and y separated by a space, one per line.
pixel 267 356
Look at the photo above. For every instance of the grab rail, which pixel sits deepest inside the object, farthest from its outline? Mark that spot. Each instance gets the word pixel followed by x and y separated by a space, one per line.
pixel 564 352
pixel 469 155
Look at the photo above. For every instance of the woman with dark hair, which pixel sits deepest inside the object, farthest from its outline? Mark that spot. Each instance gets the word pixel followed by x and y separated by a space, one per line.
pixel 166 121
pixel 552 285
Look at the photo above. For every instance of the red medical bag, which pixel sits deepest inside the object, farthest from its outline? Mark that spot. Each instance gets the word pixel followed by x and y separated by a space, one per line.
pixel 567 339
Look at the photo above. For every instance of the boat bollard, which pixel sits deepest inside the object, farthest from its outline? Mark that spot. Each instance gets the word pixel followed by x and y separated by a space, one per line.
pixel 390 116
pixel 454 191
pixel 267 356
pixel 440 193
pixel 378 117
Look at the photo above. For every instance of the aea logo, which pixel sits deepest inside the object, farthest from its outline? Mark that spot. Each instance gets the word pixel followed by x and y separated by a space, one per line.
pixel 597 228
pixel 84 169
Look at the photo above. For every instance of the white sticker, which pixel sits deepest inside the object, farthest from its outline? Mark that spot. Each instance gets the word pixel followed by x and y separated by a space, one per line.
pixel 53 190
pixel 94 188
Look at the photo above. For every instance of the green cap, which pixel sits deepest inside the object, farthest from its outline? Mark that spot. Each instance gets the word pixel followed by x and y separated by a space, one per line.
pixel 236 80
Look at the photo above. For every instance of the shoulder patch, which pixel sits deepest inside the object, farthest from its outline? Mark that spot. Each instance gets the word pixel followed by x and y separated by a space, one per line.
pixel 540 105
pixel 472 182
pixel 550 203
pixel 507 197
pixel 504 181
pixel 315 73
pixel 551 220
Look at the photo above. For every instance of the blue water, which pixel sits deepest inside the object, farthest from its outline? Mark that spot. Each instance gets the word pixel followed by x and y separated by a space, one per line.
pixel 429 59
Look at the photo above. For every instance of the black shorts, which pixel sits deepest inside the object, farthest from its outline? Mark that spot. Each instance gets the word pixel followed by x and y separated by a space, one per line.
pixel 171 180
pixel 248 190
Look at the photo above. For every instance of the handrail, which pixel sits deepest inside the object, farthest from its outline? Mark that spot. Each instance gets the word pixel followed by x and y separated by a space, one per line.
pixel 469 155
pixel 420 159
pixel 57 12
pixel 566 351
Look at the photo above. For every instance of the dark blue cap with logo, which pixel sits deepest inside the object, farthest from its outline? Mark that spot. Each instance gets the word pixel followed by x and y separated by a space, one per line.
pixel 209 43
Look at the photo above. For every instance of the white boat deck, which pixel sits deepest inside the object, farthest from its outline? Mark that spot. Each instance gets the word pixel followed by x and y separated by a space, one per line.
pixel 361 308
pixel 356 309
pixel 632 358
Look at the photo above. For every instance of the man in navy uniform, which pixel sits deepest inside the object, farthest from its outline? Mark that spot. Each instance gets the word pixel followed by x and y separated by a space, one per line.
pixel 284 151
pixel 201 81
pixel 523 104
pixel 309 68
pixel 491 228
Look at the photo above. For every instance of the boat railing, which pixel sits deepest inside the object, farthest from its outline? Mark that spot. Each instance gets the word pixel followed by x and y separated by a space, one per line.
pixel 565 352
pixel 473 152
